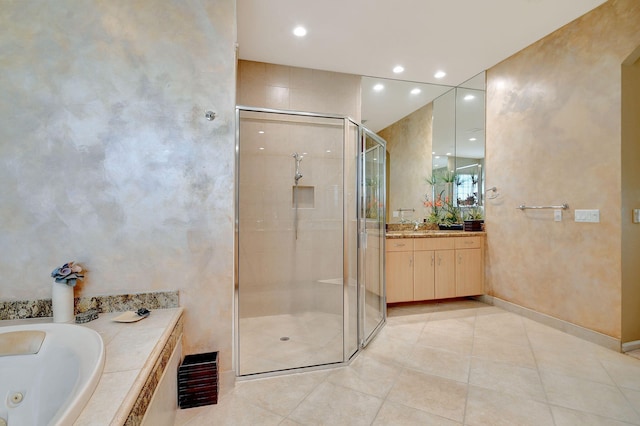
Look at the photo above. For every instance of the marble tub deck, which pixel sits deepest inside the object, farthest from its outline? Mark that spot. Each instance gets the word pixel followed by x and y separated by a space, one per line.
pixel 132 350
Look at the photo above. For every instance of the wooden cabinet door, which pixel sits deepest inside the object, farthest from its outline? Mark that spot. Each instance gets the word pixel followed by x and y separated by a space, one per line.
pixel 399 276
pixel 445 274
pixel 424 275
pixel 469 273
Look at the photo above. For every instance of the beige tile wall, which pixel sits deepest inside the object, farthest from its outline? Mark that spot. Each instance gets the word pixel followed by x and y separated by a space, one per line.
pixel 554 136
pixel 279 274
pixel 298 89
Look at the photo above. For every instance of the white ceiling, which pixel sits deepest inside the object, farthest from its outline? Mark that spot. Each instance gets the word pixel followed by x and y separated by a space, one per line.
pixel 370 37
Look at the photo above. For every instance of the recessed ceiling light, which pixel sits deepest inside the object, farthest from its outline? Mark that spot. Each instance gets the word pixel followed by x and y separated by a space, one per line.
pixel 437 157
pixel 378 87
pixel 300 31
pixel 439 74
pixel 261 148
pixel 261 132
pixel 473 139
pixel 398 69
pixel 448 153
pixel 328 150
pixel 469 97
pixel 434 153
pixel 415 91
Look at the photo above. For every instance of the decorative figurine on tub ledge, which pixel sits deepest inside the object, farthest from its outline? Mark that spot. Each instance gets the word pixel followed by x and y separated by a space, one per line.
pixel 65 279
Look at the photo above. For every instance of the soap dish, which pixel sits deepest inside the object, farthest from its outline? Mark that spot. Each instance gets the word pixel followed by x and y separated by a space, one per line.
pixel 133 316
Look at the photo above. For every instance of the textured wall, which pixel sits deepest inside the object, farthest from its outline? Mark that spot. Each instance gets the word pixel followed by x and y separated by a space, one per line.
pixel 630 197
pixel 106 157
pixel 409 147
pixel 553 136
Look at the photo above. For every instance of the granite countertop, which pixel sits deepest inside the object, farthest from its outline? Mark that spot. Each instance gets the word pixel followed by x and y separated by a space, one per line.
pixel 432 234
pixel 131 352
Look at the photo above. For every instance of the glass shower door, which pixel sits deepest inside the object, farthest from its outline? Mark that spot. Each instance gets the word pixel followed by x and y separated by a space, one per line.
pixel 290 241
pixel 372 226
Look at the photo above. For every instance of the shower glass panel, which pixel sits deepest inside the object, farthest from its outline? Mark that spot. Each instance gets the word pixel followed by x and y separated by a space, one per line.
pixel 291 237
pixel 310 240
pixel 373 227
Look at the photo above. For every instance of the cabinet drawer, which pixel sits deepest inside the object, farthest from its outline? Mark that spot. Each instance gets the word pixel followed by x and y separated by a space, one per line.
pixel 399 244
pixel 468 242
pixel 434 243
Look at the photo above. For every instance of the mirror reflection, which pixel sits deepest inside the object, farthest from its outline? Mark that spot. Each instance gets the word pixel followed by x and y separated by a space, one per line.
pixel 435 147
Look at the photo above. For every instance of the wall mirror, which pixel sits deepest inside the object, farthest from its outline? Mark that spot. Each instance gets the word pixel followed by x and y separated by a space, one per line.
pixel 435 143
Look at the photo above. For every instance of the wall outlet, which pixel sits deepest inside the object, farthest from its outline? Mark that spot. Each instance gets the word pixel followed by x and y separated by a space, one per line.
pixel 592 216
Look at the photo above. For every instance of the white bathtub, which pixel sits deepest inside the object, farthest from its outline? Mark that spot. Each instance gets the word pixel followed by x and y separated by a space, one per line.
pixel 52 386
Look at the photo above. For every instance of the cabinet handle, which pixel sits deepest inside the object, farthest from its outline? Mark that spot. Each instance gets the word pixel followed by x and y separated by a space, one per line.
pixel 459 259
pixel 433 259
pixel 399 245
pixel 439 259
pixel 411 261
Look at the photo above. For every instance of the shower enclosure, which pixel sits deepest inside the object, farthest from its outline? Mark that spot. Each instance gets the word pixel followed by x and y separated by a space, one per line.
pixel 310 239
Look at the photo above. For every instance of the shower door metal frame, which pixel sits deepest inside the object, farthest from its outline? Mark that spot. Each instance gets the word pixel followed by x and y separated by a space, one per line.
pixel 362 341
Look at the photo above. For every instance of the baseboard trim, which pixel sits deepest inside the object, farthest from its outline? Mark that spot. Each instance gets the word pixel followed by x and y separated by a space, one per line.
pixel 562 325
pixel 631 346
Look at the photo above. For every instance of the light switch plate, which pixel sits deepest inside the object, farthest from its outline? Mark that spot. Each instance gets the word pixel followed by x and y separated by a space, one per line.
pixel 592 216
pixel 636 215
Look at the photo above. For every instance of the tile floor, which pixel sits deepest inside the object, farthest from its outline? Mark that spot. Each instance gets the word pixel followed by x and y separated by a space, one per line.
pixel 447 364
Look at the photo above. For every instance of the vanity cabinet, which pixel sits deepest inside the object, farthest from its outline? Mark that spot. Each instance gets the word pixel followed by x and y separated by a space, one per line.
pixel 434 268
pixel 469 267
pixel 399 270
pixel 434 276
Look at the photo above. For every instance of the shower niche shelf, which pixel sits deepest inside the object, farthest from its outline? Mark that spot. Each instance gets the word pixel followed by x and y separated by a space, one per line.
pixel 304 196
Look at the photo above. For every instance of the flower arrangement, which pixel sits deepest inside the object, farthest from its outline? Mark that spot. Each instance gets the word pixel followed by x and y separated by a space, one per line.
pixel 435 206
pixel 68 274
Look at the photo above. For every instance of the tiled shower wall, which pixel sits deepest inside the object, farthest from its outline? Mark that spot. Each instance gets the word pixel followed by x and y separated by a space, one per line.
pixel 298 89
pixel 278 273
pixel 282 265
